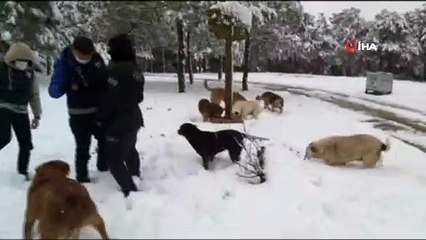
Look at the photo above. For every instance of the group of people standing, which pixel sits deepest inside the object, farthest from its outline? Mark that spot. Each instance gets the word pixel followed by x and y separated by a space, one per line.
pixel 103 101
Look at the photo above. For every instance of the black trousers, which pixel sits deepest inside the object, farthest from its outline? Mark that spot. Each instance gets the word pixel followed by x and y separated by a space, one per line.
pixel 83 128
pixel 123 160
pixel 20 123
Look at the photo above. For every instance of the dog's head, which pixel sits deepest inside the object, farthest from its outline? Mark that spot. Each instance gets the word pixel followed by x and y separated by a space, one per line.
pixel 312 151
pixel 203 102
pixel 52 170
pixel 236 113
pixel 278 103
pixel 186 129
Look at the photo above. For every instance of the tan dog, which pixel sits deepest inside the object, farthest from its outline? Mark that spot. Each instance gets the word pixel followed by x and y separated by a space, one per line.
pixel 209 110
pixel 217 95
pixel 61 205
pixel 338 150
pixel 272 101
pixel 246 108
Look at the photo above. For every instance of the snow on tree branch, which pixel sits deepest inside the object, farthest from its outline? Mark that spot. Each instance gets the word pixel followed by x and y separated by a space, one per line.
pixel 240 13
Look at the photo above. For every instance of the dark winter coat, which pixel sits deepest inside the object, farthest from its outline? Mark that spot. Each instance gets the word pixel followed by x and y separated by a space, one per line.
pixel 18 88
pixel 84 84
pixel 120 113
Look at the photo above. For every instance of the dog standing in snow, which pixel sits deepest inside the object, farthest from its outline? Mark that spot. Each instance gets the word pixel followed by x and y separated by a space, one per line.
pixel 208 144
pixel 61 205
pixel 209 109
pixel 272 101
pixel 246 108
pixel 338 150
pixel 217 95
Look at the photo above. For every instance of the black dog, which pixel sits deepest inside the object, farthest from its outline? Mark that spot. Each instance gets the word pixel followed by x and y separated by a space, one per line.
pixel 208 144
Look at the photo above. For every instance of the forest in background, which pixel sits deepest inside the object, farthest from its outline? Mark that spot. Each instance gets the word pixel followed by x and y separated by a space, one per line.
pixel 282 37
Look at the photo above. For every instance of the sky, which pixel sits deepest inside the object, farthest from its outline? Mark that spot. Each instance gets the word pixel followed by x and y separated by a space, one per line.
pixel 368 9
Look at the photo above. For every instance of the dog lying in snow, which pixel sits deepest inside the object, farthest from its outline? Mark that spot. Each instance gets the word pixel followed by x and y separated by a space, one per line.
pixel 60 204
pixel 246 108
pixel 217 95
pixel 272 101
pixel 338 150
pixel 209 109
pixel 208 144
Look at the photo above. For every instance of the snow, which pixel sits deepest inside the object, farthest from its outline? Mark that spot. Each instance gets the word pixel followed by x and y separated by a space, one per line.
pixel 56 12
pixel 37 12
pixel 6 36
pixel 301 199
pixel 234 9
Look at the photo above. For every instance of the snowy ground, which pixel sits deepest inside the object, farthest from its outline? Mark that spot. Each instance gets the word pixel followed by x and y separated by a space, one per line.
pixel 301 199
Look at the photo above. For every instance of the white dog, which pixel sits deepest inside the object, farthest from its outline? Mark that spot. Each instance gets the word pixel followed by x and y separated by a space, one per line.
pixel 246 108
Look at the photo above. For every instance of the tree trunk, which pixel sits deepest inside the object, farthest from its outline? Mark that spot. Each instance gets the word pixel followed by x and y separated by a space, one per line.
pixel 246 61
pixel 254 59
pixel 181 56
pixel 48 66
pixel 189 58
pixel 163 58
pixel 151 65
pixel 220 68
pixel 228 75
pixel 204 64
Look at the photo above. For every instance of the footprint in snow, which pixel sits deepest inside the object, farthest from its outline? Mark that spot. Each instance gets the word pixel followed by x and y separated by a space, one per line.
pixel 317 182
pixel 329 212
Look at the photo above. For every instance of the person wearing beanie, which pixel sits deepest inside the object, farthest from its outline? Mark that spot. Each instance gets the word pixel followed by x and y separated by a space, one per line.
pixel 18 88
pixel 120 114
pixel 80 73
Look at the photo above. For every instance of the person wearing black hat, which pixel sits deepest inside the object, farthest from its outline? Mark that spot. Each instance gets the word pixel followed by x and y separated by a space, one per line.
pixel 80 73
pixel 120 114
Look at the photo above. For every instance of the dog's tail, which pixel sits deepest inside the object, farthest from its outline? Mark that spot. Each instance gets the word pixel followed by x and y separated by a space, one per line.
pixel 386 146
pixel 252 137
pixel 206 86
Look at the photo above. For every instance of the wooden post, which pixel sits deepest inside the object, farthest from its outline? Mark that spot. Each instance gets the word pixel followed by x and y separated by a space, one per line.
pixel 228 74
pixel 246 61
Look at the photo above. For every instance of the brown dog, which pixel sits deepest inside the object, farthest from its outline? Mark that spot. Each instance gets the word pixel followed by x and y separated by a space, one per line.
pixel 61 205
pixel 272 101
pixel 209 110
pixel 338 150
pixel 217 95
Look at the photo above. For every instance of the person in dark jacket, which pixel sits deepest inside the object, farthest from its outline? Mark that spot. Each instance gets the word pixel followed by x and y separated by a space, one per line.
pixel 80 73
pixel 120 114
pixel 18 88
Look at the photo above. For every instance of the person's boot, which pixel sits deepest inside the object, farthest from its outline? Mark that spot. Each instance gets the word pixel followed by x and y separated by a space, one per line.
pixel 101 164
pixel 81 170
pixel 23 161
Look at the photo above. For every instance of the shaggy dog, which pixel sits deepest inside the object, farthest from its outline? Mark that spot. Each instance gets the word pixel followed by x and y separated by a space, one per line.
pixel 272 101
pixel 217 95
pixel 208 144
pixel 61 205
pixel 338 150
pixel 246 108
pixel 209 110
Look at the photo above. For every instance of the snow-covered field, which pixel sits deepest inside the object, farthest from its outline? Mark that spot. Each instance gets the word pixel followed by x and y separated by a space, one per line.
pixel 301 199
